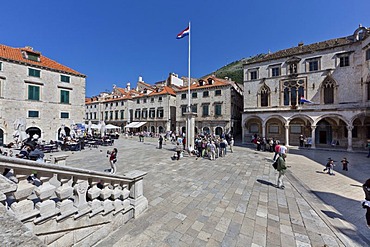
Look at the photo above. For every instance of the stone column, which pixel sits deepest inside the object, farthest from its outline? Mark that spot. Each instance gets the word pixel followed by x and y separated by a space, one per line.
pixel 287 135
pixel 264 130
pixel 137 199
pixel 313 128
pixel 349 129
pixel 190 123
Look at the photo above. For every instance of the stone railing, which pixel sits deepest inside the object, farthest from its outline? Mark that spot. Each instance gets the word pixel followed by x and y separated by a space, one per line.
pixel 62 205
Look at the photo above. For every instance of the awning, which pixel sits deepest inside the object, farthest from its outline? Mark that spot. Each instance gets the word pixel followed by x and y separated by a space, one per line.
pixel 135 125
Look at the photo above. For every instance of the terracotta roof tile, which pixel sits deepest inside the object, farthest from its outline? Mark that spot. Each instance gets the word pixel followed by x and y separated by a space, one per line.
pixel 163 90
pixel 15 54
pixel 303 49
pixel 216 83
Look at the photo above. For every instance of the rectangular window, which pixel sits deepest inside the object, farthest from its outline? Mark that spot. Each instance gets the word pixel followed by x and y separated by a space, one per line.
pixel 110 115
pixel 253 75
pixel 138 101
pixel 144 113
pixel 121 102
pixel 205 94
pixel 116 103
pixel 144 100
pixel 137 113
pixel 274 129
pixel 106 115
pixel 194 95
pixel 33 57
pixel 183 96
pixel 160 113
pixel 275 71
pixel 160 99
pixel 218 110
pixel 33 92
pixel 205 110
pixel 64 78
pixel 344 61
pixel 313 65
pixel 33 114
pixel 122 114
pixel 183 109
pixel 34 72
pixel 218 92
pixel 367 56
pixel 64 115
pixel 151 113
pixel 194 108
pixel 94 115
pixel 151 100
pixel 1 66
pixel 90 115
pixel 64 97
pixel 116 115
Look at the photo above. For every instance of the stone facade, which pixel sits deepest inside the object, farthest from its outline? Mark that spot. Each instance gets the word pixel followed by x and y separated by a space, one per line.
pixel 217 104
pixel 333 75
pixel 33 87
pixel 160 107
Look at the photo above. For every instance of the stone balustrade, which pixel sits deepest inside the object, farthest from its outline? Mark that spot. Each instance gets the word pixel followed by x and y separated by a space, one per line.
pixel 62 200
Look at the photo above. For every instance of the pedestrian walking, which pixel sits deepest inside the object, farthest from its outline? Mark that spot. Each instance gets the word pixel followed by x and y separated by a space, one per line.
pixel 345 164
pixel 113 160
pixel 281 168
pixel 366 202
pixel 160 141
pixel 330 166
pixel 231 145
pixel 277 150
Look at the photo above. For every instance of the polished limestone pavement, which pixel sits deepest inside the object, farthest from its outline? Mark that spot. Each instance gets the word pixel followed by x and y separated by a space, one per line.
pixel 232 201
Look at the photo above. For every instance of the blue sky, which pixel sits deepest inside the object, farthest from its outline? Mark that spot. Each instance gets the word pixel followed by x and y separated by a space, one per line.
pixel 116 41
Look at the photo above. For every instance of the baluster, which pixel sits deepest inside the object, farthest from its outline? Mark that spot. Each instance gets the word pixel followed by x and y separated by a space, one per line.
pixel 93 193
pixel 117 198
pixel 125 197
pixel 80 191
pixel 105 193
pixel 44 192
pixel 23 207
pixel 64 193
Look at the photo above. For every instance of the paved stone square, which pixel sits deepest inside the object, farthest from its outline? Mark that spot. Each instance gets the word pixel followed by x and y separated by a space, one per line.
pixel 232 201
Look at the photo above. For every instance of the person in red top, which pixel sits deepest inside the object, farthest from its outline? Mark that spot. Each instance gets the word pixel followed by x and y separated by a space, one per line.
pixel 113 160
pixel 277 150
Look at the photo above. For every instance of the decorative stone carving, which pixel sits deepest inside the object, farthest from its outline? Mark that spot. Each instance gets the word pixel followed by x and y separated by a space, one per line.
pixel 80 190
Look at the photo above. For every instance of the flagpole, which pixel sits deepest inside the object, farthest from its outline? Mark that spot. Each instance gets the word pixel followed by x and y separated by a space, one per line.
pixel 189 109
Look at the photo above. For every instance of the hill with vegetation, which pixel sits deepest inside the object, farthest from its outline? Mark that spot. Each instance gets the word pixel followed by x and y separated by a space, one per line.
pixel 233 70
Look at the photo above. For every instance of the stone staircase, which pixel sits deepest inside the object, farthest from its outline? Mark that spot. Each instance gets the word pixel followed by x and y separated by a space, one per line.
pixel 65 206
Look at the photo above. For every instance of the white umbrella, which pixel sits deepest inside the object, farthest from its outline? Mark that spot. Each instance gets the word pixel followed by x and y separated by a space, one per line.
pixel 62 132
pixel 102 129
pixel 89 131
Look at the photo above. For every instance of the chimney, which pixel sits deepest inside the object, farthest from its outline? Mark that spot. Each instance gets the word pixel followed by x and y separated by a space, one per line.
pixel 300 43
pixel 29 48
pixel 128 86
pixel 140 78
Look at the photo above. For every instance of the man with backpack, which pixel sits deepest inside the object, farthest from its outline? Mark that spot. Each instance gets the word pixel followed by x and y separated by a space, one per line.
pixel 281 168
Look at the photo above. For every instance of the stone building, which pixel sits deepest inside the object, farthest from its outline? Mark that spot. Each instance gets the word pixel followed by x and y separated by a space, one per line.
pixel 159 108
pixel 145 108
pixel 217 103
pixel 333 75
pixel 38 90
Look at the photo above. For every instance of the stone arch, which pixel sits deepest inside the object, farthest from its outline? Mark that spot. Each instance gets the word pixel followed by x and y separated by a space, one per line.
pixel 160 129
pixel 31 131
pixel 218 131
pixel 206 130
pixel 275 128
pixel 331 129
pixel 361 130
pixel 299 125
pixel 152 129
pixel 333 116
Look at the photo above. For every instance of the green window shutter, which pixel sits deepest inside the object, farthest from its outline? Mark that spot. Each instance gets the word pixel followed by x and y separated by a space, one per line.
pixel 33 93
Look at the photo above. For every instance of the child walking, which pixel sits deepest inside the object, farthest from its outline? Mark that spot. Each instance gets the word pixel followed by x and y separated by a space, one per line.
pixel 345 164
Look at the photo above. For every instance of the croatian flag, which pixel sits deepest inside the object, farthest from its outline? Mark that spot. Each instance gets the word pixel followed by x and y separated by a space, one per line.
pixel 303 100
pixel 183 33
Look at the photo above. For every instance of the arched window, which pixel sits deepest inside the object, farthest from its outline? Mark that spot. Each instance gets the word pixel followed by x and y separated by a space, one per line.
pixel 264 95
pixel 328 87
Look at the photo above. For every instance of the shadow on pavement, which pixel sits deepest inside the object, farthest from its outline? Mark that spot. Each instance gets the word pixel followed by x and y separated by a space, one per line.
pixel 266 182
pixel 354 217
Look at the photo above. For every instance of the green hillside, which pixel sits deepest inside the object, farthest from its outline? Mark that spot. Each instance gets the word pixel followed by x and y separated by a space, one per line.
pixel 233 70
